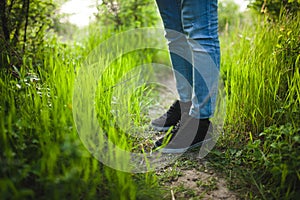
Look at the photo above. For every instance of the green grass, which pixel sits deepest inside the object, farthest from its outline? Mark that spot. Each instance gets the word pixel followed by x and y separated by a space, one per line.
pixel 261 79
pixel 42 155
pixel 260 148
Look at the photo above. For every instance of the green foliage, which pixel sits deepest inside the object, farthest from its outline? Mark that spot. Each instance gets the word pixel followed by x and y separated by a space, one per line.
pixel 127 14
pixel 41 155
pixel 274 8
pixel 265 75
pixel 262 78
pixel 277 153
pixel 64 29
pixel 24 24
pixel 229 15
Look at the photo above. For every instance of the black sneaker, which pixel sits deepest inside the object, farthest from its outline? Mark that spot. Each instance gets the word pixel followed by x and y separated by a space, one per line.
pixel 189 133
pixel 171 117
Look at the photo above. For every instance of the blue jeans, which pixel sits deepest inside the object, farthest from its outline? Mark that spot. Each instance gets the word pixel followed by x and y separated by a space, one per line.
pixel 192 33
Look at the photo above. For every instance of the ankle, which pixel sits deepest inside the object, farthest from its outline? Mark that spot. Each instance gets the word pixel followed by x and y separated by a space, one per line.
pixel 185 106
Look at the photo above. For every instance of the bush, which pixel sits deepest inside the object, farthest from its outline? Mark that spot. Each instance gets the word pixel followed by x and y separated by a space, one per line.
pixel 229 15
pixel 23 28
pixel 277 153
pixel 274 8
pixel 127 14
pixel 262 77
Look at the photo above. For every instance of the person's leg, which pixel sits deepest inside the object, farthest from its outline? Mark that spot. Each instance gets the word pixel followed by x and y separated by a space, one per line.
pixel 181 57
pixel 180 52
pixel 200 23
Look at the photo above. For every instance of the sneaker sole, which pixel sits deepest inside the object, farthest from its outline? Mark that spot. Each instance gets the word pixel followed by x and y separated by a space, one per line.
pixel 182 150
pixel 160 129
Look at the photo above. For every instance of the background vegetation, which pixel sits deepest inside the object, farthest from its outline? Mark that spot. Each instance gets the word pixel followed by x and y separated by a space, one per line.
pixel 41 155
pixel 262 126
pixel 274 8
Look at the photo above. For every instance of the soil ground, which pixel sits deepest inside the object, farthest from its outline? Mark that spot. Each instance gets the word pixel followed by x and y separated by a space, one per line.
pixel 189 177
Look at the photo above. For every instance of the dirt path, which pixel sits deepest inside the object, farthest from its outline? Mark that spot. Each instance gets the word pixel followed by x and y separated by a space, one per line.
pixel 189 177
pixel 192 178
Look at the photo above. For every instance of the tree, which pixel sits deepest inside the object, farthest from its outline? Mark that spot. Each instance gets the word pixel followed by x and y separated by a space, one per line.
pixel 23 24
pixel 229 14
pixel 127 14
pixel 273 8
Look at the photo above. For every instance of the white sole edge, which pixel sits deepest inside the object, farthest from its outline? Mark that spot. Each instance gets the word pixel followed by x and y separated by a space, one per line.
pixel 182 150
pixel 160 129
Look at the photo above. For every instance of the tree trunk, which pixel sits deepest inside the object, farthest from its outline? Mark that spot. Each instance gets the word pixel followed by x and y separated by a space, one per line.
pixel 4 20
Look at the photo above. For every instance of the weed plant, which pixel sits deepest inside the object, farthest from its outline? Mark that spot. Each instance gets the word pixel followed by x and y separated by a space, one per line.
pixel 42 157
pixel 261 74
pixel 41 154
